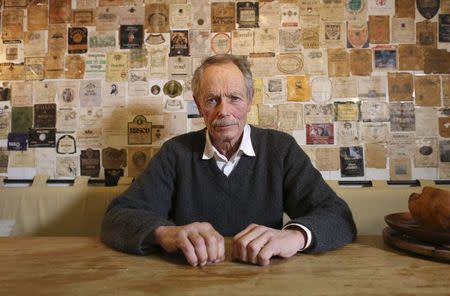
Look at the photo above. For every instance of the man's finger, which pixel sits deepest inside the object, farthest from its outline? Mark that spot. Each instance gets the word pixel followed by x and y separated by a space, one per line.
pixel 240 244
pixel 185 245
pixel 267 252
pixel 199 246
pixel 211 246
pixel 256 245
pixel 220 249
pixel 245 231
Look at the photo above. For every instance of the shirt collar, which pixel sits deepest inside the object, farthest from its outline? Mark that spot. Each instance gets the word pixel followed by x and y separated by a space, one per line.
pixel 246 145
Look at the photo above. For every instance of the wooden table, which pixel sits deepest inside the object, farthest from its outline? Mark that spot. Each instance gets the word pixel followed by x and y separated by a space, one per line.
pixel 84 266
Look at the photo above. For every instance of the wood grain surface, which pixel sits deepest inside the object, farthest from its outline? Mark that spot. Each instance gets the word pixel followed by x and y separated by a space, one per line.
pixel 84 266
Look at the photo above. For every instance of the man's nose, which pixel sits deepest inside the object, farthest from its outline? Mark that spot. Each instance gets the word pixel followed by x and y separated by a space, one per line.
pixel 223 107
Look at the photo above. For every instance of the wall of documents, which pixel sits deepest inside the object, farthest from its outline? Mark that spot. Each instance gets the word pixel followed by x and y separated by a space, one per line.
pixel 93 88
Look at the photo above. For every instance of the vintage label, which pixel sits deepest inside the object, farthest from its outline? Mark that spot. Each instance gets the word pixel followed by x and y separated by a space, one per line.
pixel 428 8
pixel 361 62
pixel 310 37
pixel 346 111
pixel 290 16
pixel 290 117
pixel 34 68
pixel 173 88
pixel 298 88
pixel 42 137
pixel 427 90
pixel 352 161
pixel 54 65
pixel 385 58
pixel 35 43
pixel 180 16
pixel 21 94
pixel 405 8
pixel 321 89
pixel 400 86
pixel 90 163
pixel 436 61
pixel 242 42
pixel 426 34
pixel 82 17
pixel 247 14
pixel 44 115
pixel 403 30
pixel 17 141
pixel 59 11
pixel 37 17
pixel 75 66
pixel 10 71
pixel 410 57
pixel 66 120
pixel 223 16
pixel 139 131
pixel 95 65
pixel 57 38
pixel 338 62
pixel 12 24
pixel 333 34
pixel 21 119
pixel 68 94
pixel 106 18
pixel 131 15
pixel 113 158
pixel 288 63
pixel 117 66
pixel 157 18
pixel 269 14
pixel 179 43
pixel 444 27
pixel 402 117
pixel 374 111
pixel 201 14
pixel 78 38
pixel 379 32
pixel 290 40
pixel 221 43
pixel 357 35
pixel 131 36
pixel 319 133
pixel 199 43
pixel 315 113
pixel 138 159
pixel 67 167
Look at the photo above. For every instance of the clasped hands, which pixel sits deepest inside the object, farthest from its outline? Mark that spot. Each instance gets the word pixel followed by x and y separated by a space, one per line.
pixel 201 244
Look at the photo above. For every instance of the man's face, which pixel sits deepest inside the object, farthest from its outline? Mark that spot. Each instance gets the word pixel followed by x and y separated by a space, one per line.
pixel 223 102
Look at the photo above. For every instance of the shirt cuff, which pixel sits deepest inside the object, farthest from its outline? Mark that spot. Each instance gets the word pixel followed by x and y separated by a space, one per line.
pixel 306 230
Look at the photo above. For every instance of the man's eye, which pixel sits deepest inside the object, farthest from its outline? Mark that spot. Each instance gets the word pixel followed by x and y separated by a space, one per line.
pixel 211 101
pixel 235 98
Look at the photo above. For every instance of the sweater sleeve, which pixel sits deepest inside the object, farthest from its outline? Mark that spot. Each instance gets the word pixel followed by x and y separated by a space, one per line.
pixel 309 201
pixel 131 217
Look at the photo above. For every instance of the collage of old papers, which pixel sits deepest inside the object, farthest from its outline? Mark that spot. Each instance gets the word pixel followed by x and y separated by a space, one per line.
pixel 95 87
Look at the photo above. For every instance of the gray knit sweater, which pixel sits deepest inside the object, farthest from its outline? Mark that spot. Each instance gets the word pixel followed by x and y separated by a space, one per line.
pixel 179 187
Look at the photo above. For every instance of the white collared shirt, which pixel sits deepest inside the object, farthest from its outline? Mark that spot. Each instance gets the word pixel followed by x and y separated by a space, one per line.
pixel 224 164
pixel 227 166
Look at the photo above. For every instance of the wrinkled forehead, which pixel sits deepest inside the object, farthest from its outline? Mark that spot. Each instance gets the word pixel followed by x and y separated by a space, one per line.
pixel 222 78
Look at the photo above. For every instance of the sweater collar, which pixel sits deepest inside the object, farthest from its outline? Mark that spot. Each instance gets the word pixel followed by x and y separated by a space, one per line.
pixel 246 145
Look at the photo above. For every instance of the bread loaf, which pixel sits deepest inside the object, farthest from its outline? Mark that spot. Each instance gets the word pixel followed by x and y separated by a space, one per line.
pixel 431 208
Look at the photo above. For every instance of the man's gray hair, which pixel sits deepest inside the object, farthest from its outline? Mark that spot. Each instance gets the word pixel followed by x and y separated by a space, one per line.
pixel 240 61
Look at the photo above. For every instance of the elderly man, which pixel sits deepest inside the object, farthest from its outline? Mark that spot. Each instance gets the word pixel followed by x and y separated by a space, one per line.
pixel 230 179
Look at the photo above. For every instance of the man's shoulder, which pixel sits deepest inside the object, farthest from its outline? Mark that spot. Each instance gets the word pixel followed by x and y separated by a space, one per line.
pixel 267 136
pixel 188 140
